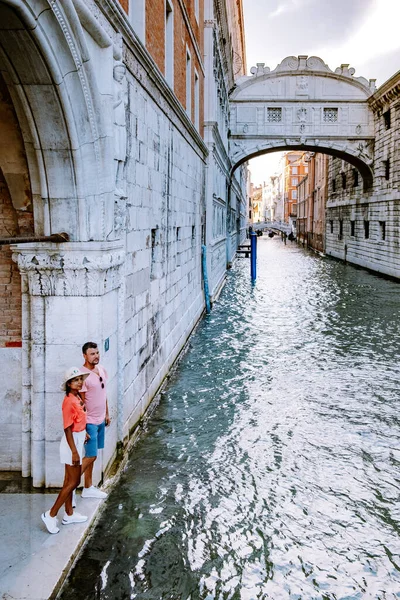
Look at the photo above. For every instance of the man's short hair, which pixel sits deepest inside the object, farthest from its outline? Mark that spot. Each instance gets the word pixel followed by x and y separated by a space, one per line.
pixel 88 345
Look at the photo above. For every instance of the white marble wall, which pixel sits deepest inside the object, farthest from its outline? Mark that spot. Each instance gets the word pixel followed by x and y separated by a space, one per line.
pixel 380 205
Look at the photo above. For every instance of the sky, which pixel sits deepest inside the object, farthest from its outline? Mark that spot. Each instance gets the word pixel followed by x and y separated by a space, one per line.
pixel 362 33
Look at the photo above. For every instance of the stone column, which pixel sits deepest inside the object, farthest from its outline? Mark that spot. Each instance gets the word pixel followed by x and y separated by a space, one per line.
pixel 72 293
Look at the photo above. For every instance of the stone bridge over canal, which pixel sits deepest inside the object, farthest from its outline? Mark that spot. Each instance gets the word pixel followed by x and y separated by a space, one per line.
pixel 303 105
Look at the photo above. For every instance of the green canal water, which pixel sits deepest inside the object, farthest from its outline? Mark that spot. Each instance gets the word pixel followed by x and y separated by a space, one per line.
pixel 270 468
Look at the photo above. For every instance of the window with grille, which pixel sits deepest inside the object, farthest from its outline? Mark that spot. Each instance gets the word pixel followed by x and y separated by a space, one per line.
pixel 386 119
pixel 340 236
pixel 274 115
pixel 330 115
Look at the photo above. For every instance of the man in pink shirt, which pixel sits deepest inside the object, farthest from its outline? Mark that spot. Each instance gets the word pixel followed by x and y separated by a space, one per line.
pixel 95 397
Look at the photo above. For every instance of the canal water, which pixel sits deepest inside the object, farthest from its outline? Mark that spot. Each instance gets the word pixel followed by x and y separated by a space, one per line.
pixel 270 468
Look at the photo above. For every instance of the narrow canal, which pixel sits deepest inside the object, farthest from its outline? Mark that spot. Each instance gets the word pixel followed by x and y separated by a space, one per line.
pixel 270 469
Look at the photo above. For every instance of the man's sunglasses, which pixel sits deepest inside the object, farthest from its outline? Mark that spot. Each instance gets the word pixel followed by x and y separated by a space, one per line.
pixel 102 384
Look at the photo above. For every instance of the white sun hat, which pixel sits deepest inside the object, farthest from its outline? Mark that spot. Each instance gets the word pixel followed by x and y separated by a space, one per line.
pixel 71 373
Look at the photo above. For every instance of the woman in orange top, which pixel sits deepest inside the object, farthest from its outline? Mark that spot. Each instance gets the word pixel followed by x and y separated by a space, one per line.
pixel 71 450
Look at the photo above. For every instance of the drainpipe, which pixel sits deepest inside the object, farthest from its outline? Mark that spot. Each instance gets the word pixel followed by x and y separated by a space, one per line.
pixel 205 278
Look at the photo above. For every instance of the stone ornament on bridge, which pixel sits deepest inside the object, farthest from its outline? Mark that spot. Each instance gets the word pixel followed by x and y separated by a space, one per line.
pixel 312 63
pixel 303 104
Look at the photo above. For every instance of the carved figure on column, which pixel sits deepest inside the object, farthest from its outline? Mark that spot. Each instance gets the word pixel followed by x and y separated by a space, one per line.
pixel 120 134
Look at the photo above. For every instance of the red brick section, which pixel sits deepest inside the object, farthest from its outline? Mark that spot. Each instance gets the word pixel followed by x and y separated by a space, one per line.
pixel 155 31
pixel 155 43
pixel 125 5
pixel 10 280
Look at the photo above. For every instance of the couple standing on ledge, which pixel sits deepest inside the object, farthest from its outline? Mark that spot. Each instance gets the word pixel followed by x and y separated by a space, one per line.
pixel 85 416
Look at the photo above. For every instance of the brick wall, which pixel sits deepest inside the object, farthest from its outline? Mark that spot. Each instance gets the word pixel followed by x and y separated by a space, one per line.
pixel 155 31
pixel 155 44
pixel 10 281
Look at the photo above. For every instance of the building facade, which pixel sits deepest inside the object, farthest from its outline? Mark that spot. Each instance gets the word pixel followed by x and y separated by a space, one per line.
pixel 362 227
pixel 294 169
pixel 256 202
pixel 101 118
pixel 311 202
pixel 226 194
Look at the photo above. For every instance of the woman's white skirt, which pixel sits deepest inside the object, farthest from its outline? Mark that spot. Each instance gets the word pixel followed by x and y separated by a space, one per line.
pixel 65 450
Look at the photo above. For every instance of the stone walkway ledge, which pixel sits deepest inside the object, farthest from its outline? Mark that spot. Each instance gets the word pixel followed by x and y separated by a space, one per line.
pixel 33 562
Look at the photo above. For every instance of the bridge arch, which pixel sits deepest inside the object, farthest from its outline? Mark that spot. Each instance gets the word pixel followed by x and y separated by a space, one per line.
pixel 303 105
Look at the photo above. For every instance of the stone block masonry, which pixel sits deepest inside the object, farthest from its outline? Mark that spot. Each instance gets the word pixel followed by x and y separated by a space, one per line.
pixel 364 227
pixel 163 286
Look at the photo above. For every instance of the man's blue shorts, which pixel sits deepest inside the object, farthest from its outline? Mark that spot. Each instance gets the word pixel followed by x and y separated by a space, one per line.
pixel 96 442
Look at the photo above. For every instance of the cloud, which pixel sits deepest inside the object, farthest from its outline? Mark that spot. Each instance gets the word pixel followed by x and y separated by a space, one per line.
pixel 299 25
pixel 285 7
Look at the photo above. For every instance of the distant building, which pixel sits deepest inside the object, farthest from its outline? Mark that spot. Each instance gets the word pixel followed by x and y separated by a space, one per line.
pixel 311 202
pixel 256 199
pixel 294 169
pixel 272 198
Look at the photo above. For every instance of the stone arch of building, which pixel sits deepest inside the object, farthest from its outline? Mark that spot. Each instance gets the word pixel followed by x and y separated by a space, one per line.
pixel 45 65
pixel 303 105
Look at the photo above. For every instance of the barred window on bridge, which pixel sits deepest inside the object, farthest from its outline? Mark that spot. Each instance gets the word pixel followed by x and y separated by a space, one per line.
pixel 330 115
pixel 274 115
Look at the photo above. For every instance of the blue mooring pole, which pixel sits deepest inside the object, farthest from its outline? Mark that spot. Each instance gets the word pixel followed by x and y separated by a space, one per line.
pixel 253 256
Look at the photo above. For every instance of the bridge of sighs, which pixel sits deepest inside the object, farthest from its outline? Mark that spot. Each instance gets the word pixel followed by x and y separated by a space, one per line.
pixel 303 105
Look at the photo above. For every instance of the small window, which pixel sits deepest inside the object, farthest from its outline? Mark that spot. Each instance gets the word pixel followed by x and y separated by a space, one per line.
pixel 188 83
pixel 196 9
pixel 355 178
pixel 331 224
pixel 343 181
pixel 274 115
pixel 196 100
pixel 382 229
pixel 294 194
pixel 340 237
pixel 352 228
pixel 386 164
pixel 330 115
pixel 295 180
pixel 386 119
pixel 249 214
pixel 333 185
pixel 366 229
pixel 178 248
pixel 193 233
pixel 294 170
pixel 155 248
pixel 169 44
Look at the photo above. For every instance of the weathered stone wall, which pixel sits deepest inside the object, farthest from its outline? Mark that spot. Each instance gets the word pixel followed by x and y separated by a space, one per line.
pixel 164 299
pixel 362 227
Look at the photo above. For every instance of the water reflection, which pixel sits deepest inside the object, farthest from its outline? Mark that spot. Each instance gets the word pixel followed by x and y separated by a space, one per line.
pixel 270 468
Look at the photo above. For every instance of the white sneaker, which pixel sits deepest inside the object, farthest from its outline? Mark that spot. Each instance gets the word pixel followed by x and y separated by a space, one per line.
pixel 74 499
pixel 74 518
pixel 50 522
pixel 93 492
